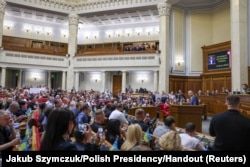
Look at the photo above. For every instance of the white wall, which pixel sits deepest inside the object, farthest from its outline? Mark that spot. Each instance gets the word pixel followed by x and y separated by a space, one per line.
pixel 200 35
pixel 136 77
pixel 178 40
pixel 124 34
pixel 35 31
pixel 88 81
pixel 29 78
pixel 221 24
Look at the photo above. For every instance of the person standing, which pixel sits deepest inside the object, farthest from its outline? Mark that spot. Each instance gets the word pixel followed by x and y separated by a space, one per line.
pixel 230 128
pixel 193 99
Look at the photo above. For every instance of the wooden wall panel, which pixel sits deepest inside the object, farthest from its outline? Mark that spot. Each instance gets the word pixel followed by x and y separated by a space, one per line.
pixel 207 84
pixel 184 83
pixel 216 104
pixel 216 81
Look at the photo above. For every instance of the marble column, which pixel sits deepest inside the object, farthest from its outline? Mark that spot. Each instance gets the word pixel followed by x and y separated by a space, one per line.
pixel 124 81
pixel 49 80
pixel 2 11
pixel 77 81
pixel 63 80
pixel 164 12
pixel 19 82
pixel 3 77
pixel 72 48
pixel 239 43
pixel 155 80
pixel 103 81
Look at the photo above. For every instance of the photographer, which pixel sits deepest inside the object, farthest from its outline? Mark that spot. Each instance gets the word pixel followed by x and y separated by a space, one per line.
pixel 85 141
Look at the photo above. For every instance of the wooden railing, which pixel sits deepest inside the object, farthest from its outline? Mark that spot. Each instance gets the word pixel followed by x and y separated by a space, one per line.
pixel 109 51
pixel 34 46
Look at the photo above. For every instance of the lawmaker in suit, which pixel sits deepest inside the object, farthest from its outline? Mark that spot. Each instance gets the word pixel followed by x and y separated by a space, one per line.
pixel 193 99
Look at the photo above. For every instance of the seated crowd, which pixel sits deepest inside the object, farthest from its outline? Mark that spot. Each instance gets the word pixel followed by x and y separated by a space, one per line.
pixel 92 121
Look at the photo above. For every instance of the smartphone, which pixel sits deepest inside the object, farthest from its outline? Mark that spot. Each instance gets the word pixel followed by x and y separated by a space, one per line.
pixel 147 116
pixel 82 127
pixel 100 132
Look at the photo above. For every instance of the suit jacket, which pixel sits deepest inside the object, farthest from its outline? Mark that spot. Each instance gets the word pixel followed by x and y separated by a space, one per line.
pixel 194 100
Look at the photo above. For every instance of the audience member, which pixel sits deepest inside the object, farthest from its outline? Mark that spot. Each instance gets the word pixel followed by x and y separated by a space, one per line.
pixel 13 108
pixel 33 103
pixel 117 114
pixel 8 137
pixel 133 137
pixel 114 131
pixel 99 121
pixel 83 138
pixel 141 119
pixel 141 147
pixel 245 89
pixel 84 115
pixel 170 141
pixel 188 139
pixel 22 108
pixel 168 126
pixel 231 129
pixel 59 127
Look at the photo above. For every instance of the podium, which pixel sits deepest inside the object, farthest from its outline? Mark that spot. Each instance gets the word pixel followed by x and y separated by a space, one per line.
pixel 187 113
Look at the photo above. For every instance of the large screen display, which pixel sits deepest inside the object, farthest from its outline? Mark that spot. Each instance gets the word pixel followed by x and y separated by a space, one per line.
pixel 219 60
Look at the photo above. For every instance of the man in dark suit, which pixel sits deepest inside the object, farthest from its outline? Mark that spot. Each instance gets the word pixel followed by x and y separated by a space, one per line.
pixel 193 99
pixel 141 119
pixel 230 128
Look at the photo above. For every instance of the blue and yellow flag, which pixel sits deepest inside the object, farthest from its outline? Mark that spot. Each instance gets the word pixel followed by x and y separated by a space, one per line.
pixel 147 137
pixel 114 147
pixel 24 145
pixel 28 132
pixel 28 112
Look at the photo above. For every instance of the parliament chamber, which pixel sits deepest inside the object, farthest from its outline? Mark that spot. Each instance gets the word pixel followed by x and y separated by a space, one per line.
pixel 84 50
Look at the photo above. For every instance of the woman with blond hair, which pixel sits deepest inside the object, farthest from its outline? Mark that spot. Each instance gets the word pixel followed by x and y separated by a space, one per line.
pixel 133 137
pixel 170 141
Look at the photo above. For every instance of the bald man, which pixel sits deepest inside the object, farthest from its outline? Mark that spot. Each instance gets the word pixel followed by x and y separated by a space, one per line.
pixel 193 99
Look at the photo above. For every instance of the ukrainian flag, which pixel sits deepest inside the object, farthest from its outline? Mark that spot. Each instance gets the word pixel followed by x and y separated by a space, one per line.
pixel 28 132
pixel 114 147
pixel 147 137
pixel 24 145
pixel 28 113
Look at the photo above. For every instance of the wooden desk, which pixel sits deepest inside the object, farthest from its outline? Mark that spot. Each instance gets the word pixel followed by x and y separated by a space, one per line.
pixel 187 113
pixel 216 104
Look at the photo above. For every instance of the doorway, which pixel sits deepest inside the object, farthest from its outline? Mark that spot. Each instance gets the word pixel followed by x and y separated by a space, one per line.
pixel 117 84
